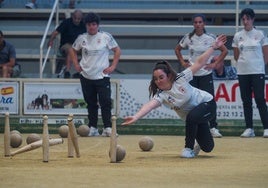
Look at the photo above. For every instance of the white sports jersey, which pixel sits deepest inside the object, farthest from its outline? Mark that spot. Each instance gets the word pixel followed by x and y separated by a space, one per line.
pixel 197 45
pixel 95 53
pixel 249 43
pixel 183 97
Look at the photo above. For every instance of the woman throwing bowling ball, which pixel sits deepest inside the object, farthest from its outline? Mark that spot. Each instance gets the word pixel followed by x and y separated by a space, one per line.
pixel 196 107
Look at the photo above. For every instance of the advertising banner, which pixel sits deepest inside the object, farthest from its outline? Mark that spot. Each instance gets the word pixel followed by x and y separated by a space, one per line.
pixel 9 93
pixel 58 98
pixel 66 98
pixel 229 104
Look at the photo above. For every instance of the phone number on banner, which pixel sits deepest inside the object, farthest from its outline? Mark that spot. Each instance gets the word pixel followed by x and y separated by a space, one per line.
pixel 234 112
pixel 230 114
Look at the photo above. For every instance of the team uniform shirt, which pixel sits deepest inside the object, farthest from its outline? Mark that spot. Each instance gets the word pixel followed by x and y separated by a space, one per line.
pixel 250 43
pixel 182 97
pixel 197 45
pixel 7 52
pixel 95 53
pixel 69 31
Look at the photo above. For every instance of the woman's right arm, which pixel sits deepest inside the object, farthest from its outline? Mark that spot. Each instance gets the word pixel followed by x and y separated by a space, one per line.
pixel 145 109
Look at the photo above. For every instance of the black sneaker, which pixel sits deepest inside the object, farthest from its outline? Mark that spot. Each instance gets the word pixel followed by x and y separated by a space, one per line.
pixel 67 74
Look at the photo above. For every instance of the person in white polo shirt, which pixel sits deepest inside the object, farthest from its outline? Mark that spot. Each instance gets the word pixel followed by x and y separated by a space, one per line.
pixel 197 42
pixel 250 46
pixel 195 106
pixel 94 69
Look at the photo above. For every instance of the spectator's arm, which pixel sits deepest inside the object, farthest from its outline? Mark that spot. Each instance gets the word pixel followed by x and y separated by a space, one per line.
pixel 236 53
pixel 180 58
pixel 52 37
pixel 10 63
pixel 73 55
pixel 117 54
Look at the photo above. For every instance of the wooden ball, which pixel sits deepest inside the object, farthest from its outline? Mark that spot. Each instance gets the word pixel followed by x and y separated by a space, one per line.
pixel 120 153
pixel 15 131
pixel 63 131
pixel 33 137
pixel 15 140
pixel 146 143
pixel 83 130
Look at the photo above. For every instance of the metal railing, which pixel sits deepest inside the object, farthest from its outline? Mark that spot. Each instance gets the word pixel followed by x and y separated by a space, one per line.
pixel 55 10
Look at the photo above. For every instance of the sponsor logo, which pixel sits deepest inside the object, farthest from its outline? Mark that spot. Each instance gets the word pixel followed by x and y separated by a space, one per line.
pixel 7 91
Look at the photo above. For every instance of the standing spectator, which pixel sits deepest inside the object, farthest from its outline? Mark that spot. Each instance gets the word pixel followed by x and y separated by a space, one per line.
pixel 198 41
pixel 250 47
pixel 195 106
pixel 69 29
pixel 95 68
pixel 7 59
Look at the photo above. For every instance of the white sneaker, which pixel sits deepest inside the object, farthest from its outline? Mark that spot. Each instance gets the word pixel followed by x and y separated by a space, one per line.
pixel 215 133
pixel 248 133
pixel 187 153
pixel 30 5
pixel 196 149
pixel 265 133
pixel 93 132
pixel 107 132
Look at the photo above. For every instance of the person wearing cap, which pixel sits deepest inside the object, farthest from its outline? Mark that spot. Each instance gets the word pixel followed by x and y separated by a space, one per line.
pixel 197 42
pixel 250 46
pixel 95 69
